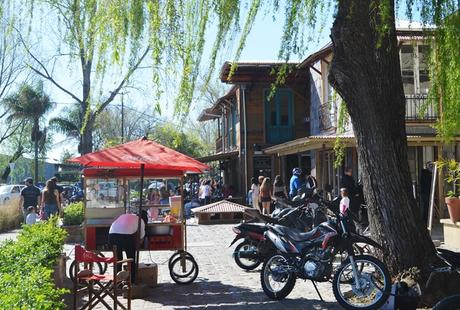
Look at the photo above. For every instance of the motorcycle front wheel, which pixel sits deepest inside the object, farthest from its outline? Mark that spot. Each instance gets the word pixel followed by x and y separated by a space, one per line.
pixel 246 263
pixel 374 283
pixel 276 277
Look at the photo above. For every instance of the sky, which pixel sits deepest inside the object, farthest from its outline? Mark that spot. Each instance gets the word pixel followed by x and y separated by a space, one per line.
pixel 262 44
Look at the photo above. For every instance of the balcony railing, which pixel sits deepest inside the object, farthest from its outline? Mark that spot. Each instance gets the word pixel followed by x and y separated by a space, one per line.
pixel 419 109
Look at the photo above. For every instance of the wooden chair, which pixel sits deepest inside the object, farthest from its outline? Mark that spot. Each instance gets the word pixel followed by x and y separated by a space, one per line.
pixel 99 286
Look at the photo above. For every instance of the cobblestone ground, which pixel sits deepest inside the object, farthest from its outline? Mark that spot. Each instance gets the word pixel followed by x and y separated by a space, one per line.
pixel 221 283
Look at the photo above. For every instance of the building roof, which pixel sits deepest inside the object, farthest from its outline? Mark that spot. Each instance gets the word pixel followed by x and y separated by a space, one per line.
pixel 218 156
pixel 214 111
pixel 260 71
pixel 327 141
pixel 405 31
pixel 223 206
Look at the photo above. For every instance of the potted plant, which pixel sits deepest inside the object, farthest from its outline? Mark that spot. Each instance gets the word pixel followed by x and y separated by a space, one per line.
pixel 453 178
pixel 74 215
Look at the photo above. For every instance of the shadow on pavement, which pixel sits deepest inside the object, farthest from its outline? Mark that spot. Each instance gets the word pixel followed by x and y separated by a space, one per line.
pixel 206 294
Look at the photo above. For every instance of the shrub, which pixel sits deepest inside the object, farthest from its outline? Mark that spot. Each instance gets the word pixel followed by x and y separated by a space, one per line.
pixel 10 216
pixel 74 214
pixel 26 267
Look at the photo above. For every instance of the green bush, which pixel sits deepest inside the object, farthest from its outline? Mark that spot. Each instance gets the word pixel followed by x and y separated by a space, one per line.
pixel 74 214
pixel 10 216
pixel 26 267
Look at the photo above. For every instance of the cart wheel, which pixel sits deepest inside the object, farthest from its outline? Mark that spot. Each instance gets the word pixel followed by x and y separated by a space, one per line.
pixel 178 254
pixel 183 270
pixel 97 269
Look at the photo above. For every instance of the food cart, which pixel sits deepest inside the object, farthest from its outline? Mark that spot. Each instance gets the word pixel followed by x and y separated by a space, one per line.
pixel 114 183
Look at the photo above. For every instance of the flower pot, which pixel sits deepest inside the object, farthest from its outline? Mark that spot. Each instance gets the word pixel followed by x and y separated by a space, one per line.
pixel 453 206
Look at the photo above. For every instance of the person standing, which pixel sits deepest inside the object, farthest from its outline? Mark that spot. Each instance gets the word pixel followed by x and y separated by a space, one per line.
pixel 348 182
pixel 50 204
pixel 294 183
pixel 30 196
pixel 59 188
pixel 344 202
pixel 279 189
pixel 255 188
pixel 266 193
pixel 122 234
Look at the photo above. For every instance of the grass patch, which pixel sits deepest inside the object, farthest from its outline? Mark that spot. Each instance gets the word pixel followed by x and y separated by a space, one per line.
pixel 10 216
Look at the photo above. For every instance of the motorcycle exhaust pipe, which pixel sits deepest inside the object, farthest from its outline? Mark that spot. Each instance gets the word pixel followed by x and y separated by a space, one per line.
pixel 247 254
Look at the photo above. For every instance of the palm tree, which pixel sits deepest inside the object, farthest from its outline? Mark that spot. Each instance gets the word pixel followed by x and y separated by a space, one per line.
pixel 31 104
pixel 68 124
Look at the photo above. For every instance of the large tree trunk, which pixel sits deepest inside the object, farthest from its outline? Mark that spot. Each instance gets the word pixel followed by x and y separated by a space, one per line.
pixel 366 73
pixel 86 145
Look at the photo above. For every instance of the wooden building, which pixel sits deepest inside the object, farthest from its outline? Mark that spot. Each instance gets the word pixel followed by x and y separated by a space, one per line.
pixel 250 117
pixel 424 145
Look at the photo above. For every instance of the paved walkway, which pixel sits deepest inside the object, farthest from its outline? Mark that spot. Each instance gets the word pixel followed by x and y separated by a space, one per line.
pixel 221 283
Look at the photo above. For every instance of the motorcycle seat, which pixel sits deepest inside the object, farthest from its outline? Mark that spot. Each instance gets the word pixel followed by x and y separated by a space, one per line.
pixel 295 235
pixel 255 227
pixel 286 203
pixel 452 257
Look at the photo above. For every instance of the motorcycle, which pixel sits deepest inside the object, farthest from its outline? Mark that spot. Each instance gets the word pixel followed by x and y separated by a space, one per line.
pixel 452 264
pixel 250 253
pixel 361 281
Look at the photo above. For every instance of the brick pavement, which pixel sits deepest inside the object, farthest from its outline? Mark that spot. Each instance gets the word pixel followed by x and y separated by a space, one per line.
pixel 221 283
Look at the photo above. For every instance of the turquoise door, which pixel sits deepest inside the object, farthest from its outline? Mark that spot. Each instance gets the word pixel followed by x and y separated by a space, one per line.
pixel 279 116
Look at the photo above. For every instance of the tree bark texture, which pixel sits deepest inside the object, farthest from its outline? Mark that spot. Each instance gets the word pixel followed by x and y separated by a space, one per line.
pixel 365 71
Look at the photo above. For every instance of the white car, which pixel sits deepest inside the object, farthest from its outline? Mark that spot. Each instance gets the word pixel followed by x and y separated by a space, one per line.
pixel 10 192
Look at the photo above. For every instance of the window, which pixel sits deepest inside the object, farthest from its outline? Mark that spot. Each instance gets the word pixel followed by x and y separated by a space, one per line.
pixel 407 68
pixel 279 116
pixel 414 68
pixel 424 75
pixel 231 125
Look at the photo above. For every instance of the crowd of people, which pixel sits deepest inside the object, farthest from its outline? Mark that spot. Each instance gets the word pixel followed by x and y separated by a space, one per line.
pixel 35 204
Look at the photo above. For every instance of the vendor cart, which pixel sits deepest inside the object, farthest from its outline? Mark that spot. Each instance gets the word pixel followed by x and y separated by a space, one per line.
pixel 124 179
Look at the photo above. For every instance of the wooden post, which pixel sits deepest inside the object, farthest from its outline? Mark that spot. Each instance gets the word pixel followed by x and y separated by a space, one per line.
pixel 432 191
pixel 139 219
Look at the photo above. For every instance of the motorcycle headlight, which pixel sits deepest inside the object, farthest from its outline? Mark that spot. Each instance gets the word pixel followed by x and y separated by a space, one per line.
pixel 236 230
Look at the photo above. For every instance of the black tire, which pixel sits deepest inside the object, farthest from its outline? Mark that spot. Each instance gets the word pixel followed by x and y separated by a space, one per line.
pixel 382 292
pixel 181 276
pixel 176 254
pixel 252 264
pixel 97 269
pixel 289 278
pixel 448 303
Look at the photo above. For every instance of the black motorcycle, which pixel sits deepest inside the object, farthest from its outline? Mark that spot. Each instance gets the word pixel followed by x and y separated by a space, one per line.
pixel 361 281
pixel 298 215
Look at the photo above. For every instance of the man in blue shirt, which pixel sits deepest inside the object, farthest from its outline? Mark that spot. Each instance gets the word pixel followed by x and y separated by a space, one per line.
pixel 294 183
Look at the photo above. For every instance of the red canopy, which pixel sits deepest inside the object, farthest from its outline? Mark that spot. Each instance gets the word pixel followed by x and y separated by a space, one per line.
pixel 133 154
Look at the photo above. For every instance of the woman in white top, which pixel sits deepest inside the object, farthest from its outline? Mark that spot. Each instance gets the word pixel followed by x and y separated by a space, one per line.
pixel 205 192
pixel 255 187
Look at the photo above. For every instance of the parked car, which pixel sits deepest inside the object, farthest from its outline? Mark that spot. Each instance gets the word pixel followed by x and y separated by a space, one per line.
pixel 10 192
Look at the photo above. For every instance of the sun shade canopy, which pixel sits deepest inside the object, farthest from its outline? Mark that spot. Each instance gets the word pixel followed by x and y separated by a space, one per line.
pixel 152 155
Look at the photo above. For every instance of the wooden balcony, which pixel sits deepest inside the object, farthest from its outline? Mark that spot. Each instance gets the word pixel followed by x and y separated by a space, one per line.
pixel 419 109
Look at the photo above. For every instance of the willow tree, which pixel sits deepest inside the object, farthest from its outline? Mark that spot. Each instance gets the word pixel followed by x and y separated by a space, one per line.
pixel 365 71
pixel 99 36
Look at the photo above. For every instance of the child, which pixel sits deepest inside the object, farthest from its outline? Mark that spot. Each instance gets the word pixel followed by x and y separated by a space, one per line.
pixel 345 202
pixel 31 215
